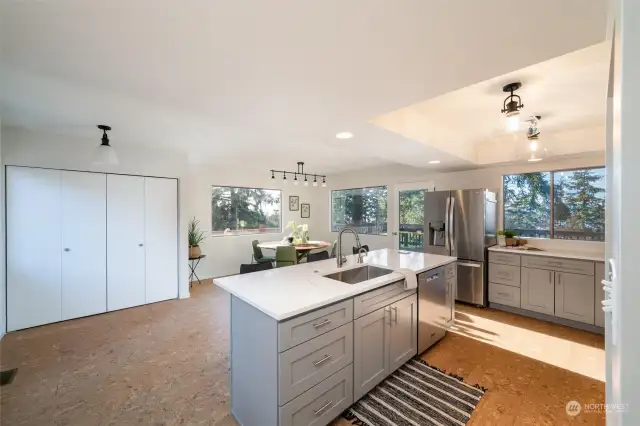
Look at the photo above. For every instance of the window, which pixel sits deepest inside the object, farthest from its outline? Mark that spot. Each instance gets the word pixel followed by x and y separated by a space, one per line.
pixel 364 209
pixel 237 211
pixel 563 204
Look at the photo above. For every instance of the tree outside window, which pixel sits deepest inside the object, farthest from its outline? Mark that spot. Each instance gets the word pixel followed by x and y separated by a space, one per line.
pixel 575 197
pixel 245 210
pixel 364 209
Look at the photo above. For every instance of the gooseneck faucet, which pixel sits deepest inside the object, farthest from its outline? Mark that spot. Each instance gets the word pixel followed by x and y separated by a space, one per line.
pixel 339 257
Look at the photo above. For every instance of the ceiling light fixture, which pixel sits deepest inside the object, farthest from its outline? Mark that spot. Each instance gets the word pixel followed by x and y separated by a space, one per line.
pixel 434 162
pixel 105 154
pixel 344 135
pixel 511 106
pixel 300 172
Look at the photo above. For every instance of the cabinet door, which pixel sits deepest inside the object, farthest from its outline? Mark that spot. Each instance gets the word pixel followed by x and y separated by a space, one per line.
pixel 34 249
pixel 371 350
pixel 161 239
pixel 125 242
pixel 403 335
pixel 599 295
pixel 537 292
pixel 574 297
pixel 84 242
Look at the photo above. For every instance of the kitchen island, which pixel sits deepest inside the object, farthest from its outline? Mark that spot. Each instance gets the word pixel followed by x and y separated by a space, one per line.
pixel 304 346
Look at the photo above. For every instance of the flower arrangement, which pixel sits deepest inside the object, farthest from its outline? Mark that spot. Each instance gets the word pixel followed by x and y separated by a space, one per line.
pixel 299 233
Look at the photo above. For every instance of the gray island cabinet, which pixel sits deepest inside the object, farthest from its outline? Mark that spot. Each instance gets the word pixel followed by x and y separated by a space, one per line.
pixel 305 345
pixel 308 369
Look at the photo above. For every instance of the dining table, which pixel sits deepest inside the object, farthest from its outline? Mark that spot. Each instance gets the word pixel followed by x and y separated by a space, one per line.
pixel 302 249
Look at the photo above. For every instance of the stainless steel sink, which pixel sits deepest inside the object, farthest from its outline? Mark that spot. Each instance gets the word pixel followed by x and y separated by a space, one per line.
pixel 358 275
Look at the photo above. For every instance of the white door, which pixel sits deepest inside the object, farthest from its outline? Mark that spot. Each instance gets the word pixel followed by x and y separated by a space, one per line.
pixel 34 248
pixel 161 239
pixel 84 242
pixel 125 242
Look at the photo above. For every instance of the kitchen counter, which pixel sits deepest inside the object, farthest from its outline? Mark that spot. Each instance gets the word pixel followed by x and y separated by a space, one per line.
pixel 565 254
pixel 282 293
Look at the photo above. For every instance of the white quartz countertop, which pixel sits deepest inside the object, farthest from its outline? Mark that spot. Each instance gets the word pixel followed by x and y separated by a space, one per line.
pixel 566 254
pixel 283 293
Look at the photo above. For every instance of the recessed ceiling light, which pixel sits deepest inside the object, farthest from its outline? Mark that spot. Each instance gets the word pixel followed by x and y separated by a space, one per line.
pixel 434 162
pixel 344 135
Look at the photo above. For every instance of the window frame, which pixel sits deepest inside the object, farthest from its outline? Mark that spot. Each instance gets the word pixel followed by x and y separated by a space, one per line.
pixel 218 234
pixel 386 187
pixel 552 198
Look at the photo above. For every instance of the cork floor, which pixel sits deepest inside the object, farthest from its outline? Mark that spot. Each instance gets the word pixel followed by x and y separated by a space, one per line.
pixel 167 364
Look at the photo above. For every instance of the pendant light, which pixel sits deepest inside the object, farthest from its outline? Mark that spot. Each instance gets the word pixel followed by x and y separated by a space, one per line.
pixel 105 154
pixel 511 106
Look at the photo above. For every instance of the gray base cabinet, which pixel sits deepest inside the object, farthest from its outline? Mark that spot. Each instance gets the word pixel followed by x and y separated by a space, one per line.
pixel 575 297
pixel 563 289
pixel 537 292
pixel 383 341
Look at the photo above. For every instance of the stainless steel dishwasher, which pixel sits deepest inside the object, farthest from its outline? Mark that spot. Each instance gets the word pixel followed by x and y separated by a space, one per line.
pixel 433 308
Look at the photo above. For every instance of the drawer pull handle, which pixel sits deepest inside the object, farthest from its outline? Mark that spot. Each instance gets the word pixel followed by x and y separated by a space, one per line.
pixel 324 407
pixel 320 361
pixel 395 310
pixel 471 265
pixel 504 294
pixel 322 323
pixel 433 277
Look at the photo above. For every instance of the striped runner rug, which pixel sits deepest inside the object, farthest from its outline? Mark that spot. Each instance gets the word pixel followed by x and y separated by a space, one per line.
pixel 417 394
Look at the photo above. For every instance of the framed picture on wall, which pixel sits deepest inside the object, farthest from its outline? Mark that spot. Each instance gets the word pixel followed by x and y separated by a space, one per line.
pixel 294 203
pixel 305 211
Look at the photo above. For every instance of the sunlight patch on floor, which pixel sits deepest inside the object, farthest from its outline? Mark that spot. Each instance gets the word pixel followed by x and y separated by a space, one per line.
pixel 576 357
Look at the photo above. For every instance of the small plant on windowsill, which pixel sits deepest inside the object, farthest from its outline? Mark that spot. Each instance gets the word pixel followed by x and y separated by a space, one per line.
pixel 196 236
pixel 506 238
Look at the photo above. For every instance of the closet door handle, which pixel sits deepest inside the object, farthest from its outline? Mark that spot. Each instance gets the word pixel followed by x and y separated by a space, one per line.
pixel 67 249
pixel 140 245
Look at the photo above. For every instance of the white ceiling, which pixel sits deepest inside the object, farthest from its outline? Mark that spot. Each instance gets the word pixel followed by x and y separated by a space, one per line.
pixel 271 81
pixel 568 92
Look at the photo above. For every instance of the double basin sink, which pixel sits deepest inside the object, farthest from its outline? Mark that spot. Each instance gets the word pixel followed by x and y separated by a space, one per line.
pixel 358 275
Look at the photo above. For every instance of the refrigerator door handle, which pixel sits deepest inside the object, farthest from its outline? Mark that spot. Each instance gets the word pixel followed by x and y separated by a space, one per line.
pixel 452 241
pixel 446 225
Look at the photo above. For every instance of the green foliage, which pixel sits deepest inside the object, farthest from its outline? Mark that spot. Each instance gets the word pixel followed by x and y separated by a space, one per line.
pixel 363 208
pixel 509 234
pixel 412 207
pixel 578 203
pixel 247 209
pixel 196 236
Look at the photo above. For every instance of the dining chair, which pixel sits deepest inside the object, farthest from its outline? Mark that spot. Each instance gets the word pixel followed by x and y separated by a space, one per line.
pixel 258 256
pixel 364 246
pixel 333 249
pixel 321 255
pixel 286 256
pixel 255 267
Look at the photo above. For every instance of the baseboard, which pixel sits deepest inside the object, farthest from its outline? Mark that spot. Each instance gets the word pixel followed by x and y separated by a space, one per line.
pixel 548 318
pixel 188 295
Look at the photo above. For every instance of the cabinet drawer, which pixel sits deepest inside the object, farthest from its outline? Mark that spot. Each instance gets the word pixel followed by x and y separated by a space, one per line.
pixel 504 258
pixel 322 403
pixel 305 327
pixel 504 274
pixel 555 264
pixel 504 294
pixel 373 300
pixel 308 364
pixel 450 270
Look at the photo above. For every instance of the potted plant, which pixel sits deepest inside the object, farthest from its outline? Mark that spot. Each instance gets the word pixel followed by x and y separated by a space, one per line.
pixel 509 238
pixel 196 236
pixel 502 242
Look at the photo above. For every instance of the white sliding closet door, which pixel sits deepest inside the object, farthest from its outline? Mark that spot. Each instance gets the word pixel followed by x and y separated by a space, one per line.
pixel 84 242
pixel 33 247
pixel 161 239
pixel 125 242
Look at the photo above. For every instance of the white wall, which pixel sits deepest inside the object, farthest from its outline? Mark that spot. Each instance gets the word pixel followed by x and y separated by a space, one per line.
pixel 3 259
pixel 395 177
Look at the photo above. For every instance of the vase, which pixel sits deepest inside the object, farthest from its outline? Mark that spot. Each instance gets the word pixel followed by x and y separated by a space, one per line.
pixel 502 241
pixel 194 252
pixel 511 241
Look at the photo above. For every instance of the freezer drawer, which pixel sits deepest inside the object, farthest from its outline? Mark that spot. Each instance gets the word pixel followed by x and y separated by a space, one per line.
pixel 471 282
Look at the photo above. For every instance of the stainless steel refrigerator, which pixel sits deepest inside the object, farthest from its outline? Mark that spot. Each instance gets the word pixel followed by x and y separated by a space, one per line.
pixel 463 224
